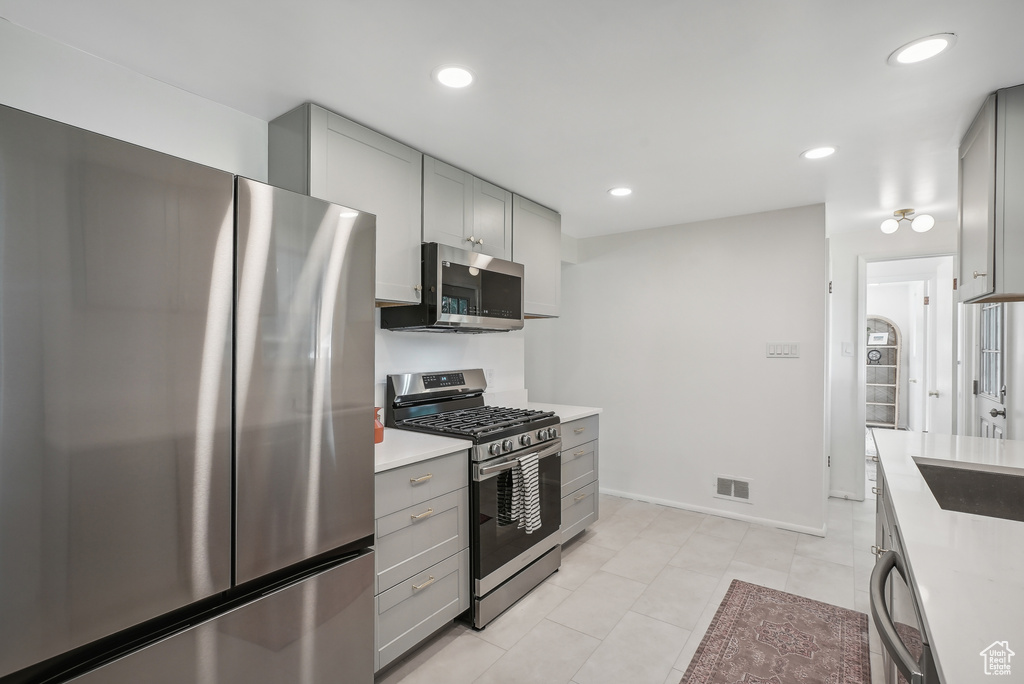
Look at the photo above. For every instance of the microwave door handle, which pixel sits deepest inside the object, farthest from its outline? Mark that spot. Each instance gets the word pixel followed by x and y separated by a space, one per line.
pixel 489 471
pixel 891 641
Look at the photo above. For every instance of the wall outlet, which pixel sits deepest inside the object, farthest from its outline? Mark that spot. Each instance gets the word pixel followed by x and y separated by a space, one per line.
pixel 782 350
pixel 489 375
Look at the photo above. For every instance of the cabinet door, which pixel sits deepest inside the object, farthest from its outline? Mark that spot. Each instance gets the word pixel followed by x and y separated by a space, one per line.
pixel 492 220
pixel 316 152
pixel 369 172
pixel 977 205
pixel 447 204
pixel 537 245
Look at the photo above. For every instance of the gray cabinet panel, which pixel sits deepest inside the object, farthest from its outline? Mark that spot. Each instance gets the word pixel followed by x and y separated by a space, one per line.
pixel 413 484
pixel 537 245
pixel 416 608
pixel 579 431
pixel 579 510
pixel 579 467
pixel 466 212
pixel 412 539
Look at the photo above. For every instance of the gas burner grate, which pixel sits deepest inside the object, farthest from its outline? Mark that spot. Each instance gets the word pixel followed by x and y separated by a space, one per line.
pixel 476 422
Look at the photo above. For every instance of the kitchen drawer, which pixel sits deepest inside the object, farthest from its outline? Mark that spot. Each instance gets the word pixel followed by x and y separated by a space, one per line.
pixel 415 483
pixel 419 536
pixel 579 432
pixel 579 510
pixel 579 467
pixel 406 615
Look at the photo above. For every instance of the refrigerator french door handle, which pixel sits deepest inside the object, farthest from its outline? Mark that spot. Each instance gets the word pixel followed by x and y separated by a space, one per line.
pixel 912 670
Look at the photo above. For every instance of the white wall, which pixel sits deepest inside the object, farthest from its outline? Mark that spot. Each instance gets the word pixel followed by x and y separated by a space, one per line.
pixel 50 79
pixel 849 253
pixel 666 330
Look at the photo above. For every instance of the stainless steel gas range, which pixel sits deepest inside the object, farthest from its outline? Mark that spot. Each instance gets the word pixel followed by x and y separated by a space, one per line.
pixel 515 479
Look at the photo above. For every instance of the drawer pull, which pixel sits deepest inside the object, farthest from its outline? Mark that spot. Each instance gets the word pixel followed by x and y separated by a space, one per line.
pixel 417 587
pixel 579 430
pixel 425 514
pixel 580 452
pixel 876 491
pixel 878 550
pixel 579 498
pixel 417 480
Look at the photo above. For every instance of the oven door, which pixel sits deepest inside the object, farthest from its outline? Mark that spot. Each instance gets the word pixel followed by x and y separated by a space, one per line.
pixel 500 547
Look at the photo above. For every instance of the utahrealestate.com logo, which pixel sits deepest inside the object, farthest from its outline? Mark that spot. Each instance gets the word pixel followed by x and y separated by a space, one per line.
pixel 997 658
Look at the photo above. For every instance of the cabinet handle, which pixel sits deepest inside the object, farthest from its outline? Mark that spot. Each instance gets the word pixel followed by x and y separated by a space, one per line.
pixel 980 275
pixel 425 514
pixel 480 241
pixel 876 491
pixel 417 288
pixel 878 550
pixel 579 498
pixel 417 587
pixel 417 480
pixel 579 430
pixel 580 452
pixel 472 239
pixel 875 459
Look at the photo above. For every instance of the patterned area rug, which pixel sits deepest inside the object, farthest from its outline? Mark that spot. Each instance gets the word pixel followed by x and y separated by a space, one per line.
pixel 765 636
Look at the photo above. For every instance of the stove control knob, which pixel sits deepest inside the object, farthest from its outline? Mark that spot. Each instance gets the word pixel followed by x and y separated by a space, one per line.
pixel 552 433
pixel 542 434
pixel 507 445
pixel 495 449
pixel 525 440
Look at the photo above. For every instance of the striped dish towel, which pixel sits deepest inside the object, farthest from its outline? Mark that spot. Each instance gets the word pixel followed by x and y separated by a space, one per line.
pixel 527 494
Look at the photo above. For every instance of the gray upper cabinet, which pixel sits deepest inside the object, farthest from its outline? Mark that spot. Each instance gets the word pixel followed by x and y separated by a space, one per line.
pixel 991 243
pixel 537 244
pixel 317 152
pixel 464 211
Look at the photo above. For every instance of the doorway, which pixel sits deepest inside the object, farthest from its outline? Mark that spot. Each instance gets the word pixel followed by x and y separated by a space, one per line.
pixel 916 295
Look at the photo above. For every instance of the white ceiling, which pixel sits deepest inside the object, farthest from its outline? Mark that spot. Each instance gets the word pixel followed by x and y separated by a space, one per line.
pixel 702 106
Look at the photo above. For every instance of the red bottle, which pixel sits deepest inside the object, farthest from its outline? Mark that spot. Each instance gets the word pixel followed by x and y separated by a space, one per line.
pixel 378 427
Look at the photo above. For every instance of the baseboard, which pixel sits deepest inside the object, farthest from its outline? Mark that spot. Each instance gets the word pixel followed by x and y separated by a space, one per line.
pixel 840 494
pixel 803 529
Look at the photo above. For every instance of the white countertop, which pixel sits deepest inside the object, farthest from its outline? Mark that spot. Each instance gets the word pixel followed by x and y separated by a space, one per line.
pixel 968 569
pixel 402 447
pixel 565 412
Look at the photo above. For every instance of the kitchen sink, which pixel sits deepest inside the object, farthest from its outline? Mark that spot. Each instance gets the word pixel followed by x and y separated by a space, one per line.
pixel 981 492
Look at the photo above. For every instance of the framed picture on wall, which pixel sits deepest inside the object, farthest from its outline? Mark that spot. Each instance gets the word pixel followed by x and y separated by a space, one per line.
pixel 878 338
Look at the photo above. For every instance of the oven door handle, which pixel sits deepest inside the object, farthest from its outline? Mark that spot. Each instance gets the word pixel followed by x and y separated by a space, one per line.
pixel 914 671
pixel 486 472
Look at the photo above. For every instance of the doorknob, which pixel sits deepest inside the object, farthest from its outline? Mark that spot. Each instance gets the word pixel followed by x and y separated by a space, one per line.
pixel 995 413
pixel 933 393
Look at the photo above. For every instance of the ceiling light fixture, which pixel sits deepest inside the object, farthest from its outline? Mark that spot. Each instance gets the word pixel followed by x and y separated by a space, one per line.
pixel 620 192
pixel 453 76
pixel 818 153
pixel 920 224
pixel 921 49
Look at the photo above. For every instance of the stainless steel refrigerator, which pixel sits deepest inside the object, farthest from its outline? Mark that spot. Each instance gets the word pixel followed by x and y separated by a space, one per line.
pixel 186 392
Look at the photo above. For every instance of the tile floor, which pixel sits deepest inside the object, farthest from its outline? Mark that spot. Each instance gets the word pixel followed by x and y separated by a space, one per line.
pixel 637 591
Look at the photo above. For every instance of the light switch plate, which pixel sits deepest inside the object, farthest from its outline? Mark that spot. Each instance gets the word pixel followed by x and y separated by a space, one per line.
pixel 782 350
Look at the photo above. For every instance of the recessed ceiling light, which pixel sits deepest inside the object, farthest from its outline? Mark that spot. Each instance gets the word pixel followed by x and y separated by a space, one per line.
pixel 922 49
pixel 453 76
pixel 818 153
pixel 620 192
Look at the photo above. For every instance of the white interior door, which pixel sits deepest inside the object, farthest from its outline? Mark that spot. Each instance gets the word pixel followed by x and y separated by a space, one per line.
pixel 990 384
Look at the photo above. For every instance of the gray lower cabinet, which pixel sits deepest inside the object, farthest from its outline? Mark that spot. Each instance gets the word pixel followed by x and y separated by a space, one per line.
pixel 580 501
pixel 317 152
pixel 422 552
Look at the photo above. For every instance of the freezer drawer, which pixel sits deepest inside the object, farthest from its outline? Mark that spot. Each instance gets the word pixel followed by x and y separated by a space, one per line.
pixel 303 380
pixel 316 630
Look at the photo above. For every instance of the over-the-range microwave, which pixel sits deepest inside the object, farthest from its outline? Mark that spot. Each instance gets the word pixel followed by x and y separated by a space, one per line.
pixel 463 292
